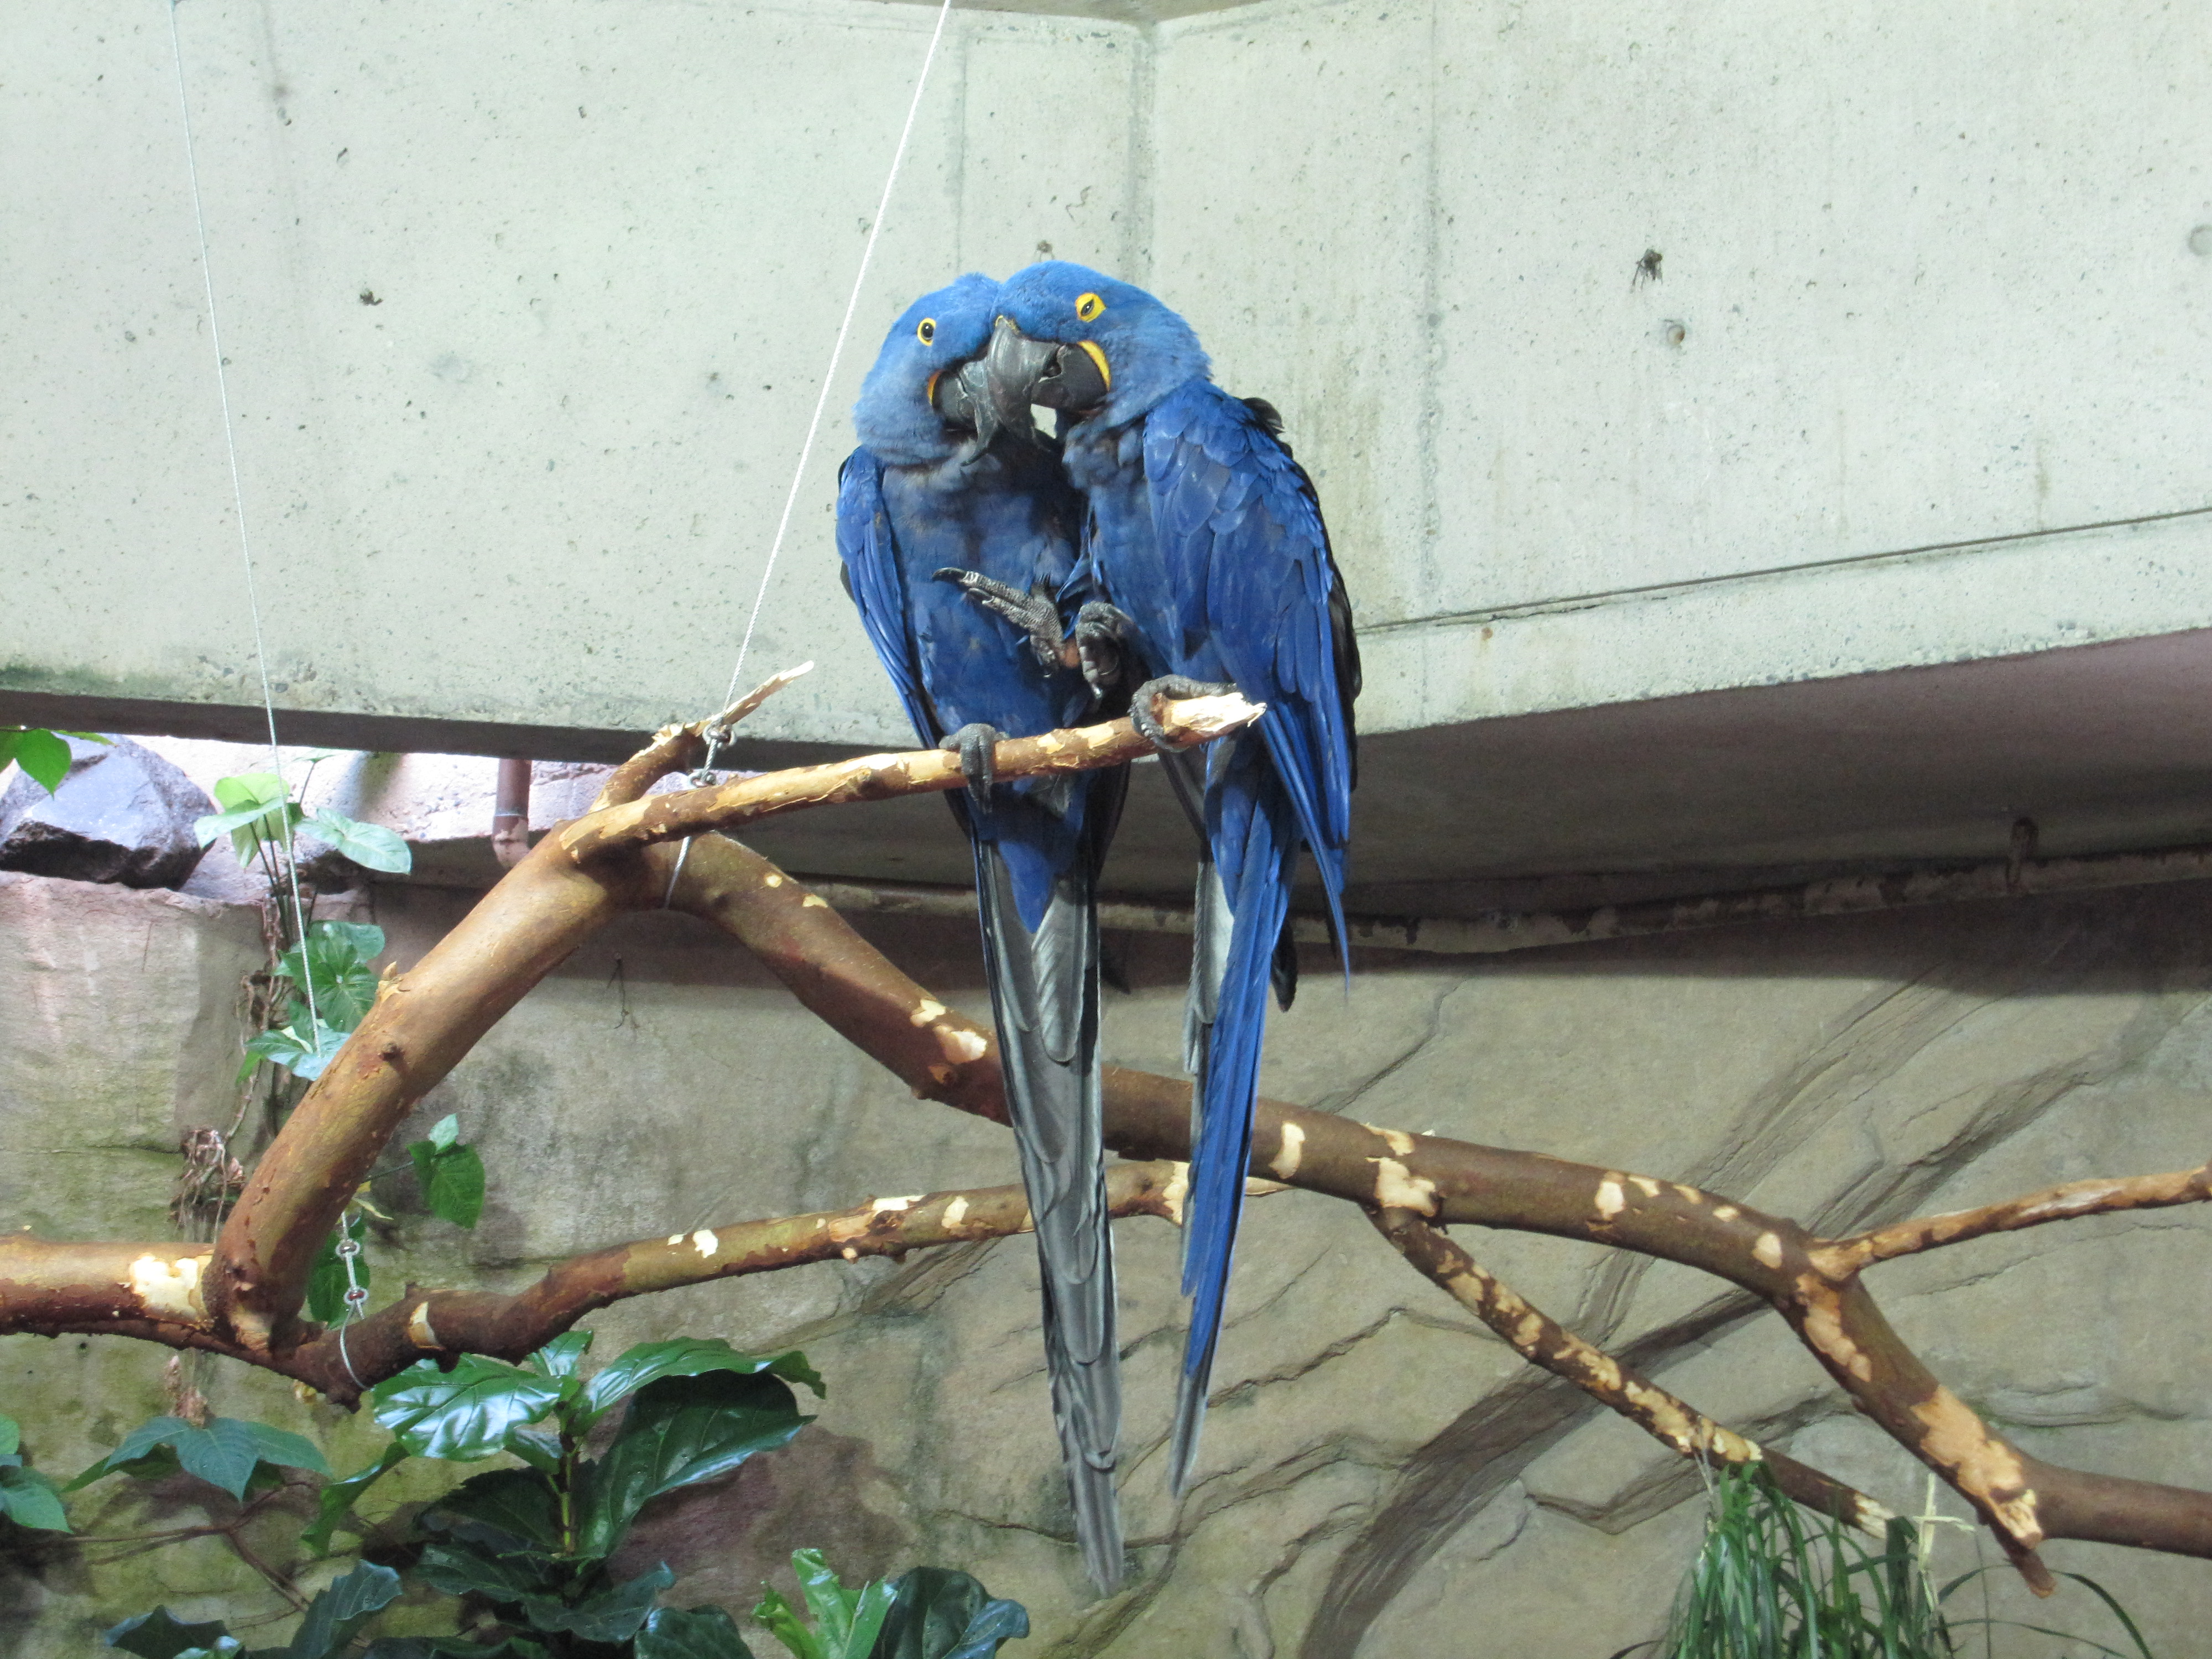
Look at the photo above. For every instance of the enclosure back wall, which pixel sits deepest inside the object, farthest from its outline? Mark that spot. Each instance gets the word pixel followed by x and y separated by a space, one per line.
pixel 526 304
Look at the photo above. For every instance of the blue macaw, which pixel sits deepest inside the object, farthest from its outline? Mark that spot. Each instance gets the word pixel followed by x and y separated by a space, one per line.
pixel 1205 540
pixel 957 538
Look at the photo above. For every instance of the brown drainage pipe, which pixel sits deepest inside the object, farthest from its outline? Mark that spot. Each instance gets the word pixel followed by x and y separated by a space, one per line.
pixel 510 813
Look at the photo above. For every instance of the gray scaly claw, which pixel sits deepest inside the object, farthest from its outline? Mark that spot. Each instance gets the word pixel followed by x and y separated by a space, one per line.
pixel 1101 637
pixel 1033 613
pixel 1145 715
pixel 976 744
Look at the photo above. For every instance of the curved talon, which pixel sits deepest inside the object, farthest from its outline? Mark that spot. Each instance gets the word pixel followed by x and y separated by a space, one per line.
pixel 1143 714
pixel 976 744
pixel 1034 613
pixel 1101 635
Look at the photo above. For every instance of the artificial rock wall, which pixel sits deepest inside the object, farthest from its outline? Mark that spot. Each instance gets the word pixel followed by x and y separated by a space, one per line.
pixel 1380 1478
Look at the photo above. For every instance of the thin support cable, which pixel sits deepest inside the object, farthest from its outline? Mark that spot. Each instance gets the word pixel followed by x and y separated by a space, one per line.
pixel 814 422
pixel 238 503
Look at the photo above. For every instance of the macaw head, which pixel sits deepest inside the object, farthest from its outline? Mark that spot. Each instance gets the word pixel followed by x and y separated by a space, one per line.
pixel 926 399
pixel 1073 340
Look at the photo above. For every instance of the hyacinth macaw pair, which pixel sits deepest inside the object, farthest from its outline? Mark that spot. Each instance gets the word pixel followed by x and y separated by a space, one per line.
pixel 1162 543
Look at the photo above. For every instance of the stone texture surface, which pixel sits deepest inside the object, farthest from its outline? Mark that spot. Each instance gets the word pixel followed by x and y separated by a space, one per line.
pixel 122 814
pixel 1379 1477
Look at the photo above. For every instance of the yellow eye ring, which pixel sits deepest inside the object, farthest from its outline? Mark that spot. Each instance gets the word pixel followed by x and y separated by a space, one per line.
pixel 1088 308
pixel 926 330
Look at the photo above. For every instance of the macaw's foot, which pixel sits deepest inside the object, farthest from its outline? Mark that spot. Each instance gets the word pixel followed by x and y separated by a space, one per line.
pixel 1144 713
pixel 1102 639
pixel 976 743
pixel 1033 613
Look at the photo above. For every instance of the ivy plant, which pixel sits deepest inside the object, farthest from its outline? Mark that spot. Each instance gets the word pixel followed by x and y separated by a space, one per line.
pixel 42 755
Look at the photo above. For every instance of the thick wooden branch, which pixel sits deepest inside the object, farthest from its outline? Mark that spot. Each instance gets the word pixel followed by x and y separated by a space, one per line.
pixel 152 1291
pixel 945 1056
pixel 1543 1341
pixel 877 777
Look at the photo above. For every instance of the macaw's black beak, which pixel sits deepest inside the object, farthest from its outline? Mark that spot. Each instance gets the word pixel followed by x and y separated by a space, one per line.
pixel 961 398
pixel 1024 372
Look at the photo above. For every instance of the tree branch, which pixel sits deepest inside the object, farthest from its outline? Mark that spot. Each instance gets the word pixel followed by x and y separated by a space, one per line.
pixel 1542 1340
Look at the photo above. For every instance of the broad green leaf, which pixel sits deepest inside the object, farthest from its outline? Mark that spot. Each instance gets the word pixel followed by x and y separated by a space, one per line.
pixel 30 1499
pixel 453 1180
pixel 464 1413
pixel 256 807
pixel 223 1454
pixel 560 1357
pixel 462 1568
pixel 43 756
pixel 701 1633
pixel 292 1047
pixel 157 1635
pixel 505 1511
pixel 612 1615
pixel 326 1279
pixel 937 1612
pixel 335 1500
pixel 681 1430
pixel 847 1621
pixel 782 1621
pixel 11 1434
pixel 687 1356
pixel 371 846
pixel 333 962
pixel 340 1610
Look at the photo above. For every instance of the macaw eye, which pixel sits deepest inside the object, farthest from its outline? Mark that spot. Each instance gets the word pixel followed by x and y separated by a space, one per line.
pixel 1088 308
pixel 926 331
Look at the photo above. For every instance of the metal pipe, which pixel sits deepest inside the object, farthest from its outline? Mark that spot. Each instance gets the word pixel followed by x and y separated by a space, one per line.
pixel 510 813
pixel 1498 930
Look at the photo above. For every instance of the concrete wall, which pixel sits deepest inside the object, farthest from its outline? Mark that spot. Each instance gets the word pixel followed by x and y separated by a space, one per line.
pixel 1379 1477
pixel 1922 377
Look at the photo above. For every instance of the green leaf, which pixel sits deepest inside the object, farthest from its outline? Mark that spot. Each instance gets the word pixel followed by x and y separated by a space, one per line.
pixel 371 846
pixel 293 1048
pixel 937 1612
pixel 464 1413
pixel 223 1454
pixel 157 1635
pixel 256 807
pixel 43 756
pixel 701 1633
pixel 783 1623
pixel 334 961
pixel 848 1621
pixel 30 1499
pixel 335 1500
pixel 505 1510
pixel 340 1610
pixel 452 1179
pixel 560 1357
pixel 687 1356
pixel 612 1615
pixel 11 1434
pixel 681 1430
pixel 463 1569
pixel 326 1279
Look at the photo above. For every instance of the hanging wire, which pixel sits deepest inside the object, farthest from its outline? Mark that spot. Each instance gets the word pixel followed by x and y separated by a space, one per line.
pixel 291 863
pixel 705 773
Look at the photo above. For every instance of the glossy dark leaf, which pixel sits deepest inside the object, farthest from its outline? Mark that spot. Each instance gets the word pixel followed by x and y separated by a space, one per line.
pixel 937 1612
pixel 681 1430
pixel 156 1635
pixel 701 1633
pixel 336 1499
pixel 687 1356
pixel 462 1568
pixel 504 1510
pixel 464 1413
pixel 341 1609
pixel 612 1615
pixel 563 1354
